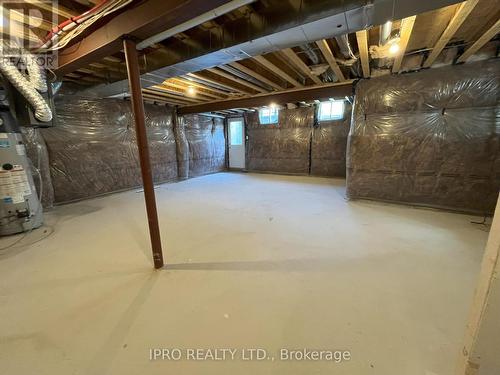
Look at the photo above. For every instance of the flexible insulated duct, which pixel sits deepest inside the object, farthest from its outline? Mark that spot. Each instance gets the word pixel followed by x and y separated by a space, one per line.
pixel 36 75
pixel 28 87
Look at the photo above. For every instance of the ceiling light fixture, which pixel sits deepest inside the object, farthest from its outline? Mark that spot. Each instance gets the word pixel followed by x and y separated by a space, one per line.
pixel 191 91
pixel 394 48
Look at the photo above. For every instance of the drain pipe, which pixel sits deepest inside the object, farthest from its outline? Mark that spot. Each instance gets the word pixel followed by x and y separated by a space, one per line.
pixel 205 17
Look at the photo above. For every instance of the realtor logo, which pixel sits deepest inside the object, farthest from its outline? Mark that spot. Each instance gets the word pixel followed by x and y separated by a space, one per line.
pixel 26 26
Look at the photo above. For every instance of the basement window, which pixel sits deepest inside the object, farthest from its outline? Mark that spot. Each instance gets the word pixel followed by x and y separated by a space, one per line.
pixel 331 110
pixel 268 115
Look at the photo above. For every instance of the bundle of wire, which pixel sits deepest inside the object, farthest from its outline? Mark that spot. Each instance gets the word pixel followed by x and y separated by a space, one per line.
pixel 63 33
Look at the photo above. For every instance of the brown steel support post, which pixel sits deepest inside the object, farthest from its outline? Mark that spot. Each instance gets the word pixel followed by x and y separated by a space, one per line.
pixel 142 143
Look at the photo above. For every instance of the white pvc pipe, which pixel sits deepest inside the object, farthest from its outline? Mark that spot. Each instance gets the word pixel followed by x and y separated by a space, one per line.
pixel 205 17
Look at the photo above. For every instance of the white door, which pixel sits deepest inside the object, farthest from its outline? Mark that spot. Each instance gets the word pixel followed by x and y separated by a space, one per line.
pixel 236 143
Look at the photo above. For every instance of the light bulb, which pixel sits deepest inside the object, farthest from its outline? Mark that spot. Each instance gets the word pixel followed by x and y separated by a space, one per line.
pixel 191 91
pixel 394 48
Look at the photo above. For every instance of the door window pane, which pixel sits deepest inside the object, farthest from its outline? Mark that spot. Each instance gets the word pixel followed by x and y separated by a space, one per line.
pixel 236 132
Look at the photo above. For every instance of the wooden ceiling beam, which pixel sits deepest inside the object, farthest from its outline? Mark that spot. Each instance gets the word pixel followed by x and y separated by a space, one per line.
pixel 30 21
pixel 107 75
pixel 168 83
pixel 236 79
pixel 279 97
pixel 162 100
pixel 167 94
pixel 274 69
pixel 143 21
pixel 362 38
pixel 92 79
pixel 113 67
pixel 18 30
pixel 297 61
pixel 478 44
pixel 113 59
pixel 99 65
pixel 78 82
pixel 327 53
pixel 200 96
pixel 463 11
pixel 57 9
pixel 170 93
pixel 242 68
pixel 217 83
pixel 405 34
pixel 188 82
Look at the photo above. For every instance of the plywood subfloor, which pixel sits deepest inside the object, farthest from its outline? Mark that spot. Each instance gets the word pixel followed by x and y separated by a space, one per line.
pixel 255 261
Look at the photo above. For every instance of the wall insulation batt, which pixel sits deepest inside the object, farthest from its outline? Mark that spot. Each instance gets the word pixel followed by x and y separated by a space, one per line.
pixel 429 138
pixel 281 147
pixel 329 144
pixel 201 145
pixel 298 144
pixel 92 150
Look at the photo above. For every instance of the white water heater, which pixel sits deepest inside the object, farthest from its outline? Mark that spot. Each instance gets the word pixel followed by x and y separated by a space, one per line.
pixel 20 209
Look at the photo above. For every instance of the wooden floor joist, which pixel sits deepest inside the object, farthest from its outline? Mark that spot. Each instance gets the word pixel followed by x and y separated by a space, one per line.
pixel 236 79
pixel 478 44
pixel 220 84
pixel 279 72
pixel 457 20
pixel 189 82
pixel 166 94
pixel 162 100
pixel 406 29
pixel 202 92
pixel 330 59
pixel 362 39
pixel 259 77
pixel 289 53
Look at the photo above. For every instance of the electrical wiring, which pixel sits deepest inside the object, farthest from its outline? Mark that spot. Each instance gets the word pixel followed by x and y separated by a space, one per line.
pixel 62 34
pixel 73 20
pixel 74 29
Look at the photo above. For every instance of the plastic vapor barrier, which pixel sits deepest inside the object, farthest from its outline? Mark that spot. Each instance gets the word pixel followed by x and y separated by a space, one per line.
pixel 329 144
pixel 37 153
pixel 182 149
pixel 283 147
pixel 429 138
pixel 201 147
pixel 297 145
pixel 93 150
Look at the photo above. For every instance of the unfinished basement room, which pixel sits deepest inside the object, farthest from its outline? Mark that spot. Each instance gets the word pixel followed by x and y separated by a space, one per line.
pixel 281 187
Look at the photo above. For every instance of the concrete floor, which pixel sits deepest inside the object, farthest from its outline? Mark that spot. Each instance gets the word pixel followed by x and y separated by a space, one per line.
pixel 255 261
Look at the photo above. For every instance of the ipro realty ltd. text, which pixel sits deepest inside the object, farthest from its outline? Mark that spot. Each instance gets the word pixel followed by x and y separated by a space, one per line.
pixel 247 354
